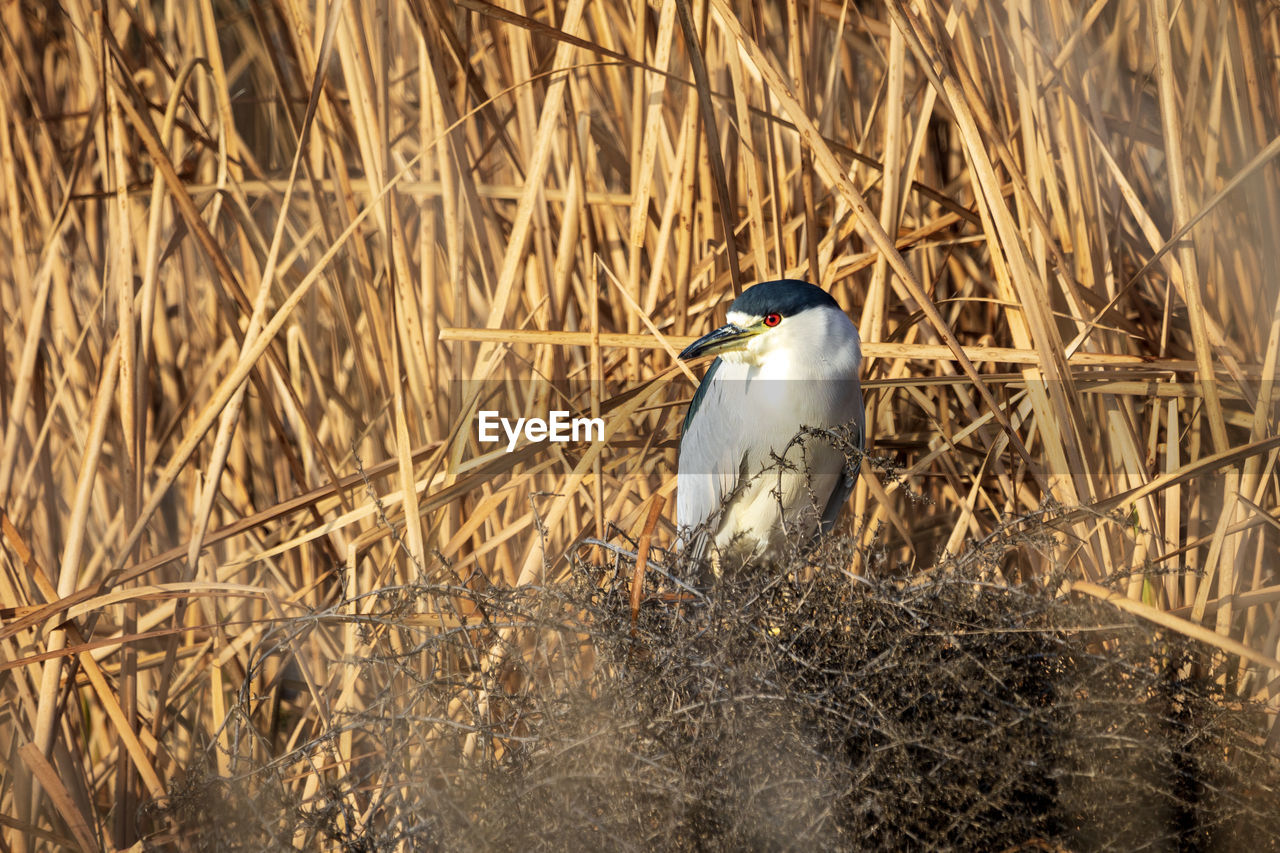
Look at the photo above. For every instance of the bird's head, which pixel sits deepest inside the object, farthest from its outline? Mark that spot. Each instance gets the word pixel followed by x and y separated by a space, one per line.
pixel 775 316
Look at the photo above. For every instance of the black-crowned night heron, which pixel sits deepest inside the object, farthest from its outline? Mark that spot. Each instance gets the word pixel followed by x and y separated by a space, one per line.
pixel 788 359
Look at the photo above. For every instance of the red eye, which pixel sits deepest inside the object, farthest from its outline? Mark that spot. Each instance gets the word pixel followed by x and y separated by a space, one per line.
pixel 772 319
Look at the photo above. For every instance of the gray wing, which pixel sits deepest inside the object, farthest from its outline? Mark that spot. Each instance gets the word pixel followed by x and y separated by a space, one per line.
pixel 845 488
pixel 711 451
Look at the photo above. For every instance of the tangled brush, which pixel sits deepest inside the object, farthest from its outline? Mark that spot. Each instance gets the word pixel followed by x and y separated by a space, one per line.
pixel 802 710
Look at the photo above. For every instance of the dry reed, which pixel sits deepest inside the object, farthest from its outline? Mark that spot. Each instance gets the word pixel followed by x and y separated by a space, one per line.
pixel 262 264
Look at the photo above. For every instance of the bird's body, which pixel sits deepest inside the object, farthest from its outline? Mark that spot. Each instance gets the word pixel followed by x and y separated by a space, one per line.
pixel 789 359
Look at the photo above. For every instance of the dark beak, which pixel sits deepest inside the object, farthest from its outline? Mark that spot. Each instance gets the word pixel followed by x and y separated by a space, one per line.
pixel 727 337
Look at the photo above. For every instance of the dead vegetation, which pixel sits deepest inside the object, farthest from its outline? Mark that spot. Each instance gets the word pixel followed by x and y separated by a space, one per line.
pixel 771 713
pixel 253 553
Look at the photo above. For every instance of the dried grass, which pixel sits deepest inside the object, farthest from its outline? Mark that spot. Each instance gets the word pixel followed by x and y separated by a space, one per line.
pixel 248 315
pixel 778 713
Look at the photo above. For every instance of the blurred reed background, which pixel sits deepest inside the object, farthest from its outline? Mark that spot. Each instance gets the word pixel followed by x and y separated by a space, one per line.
pixel 260 265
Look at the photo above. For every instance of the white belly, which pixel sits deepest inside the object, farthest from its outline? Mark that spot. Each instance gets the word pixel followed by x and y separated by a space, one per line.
pixel 779 505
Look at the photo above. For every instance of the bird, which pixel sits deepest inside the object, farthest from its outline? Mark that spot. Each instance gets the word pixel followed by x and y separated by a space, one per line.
pixel 787 359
